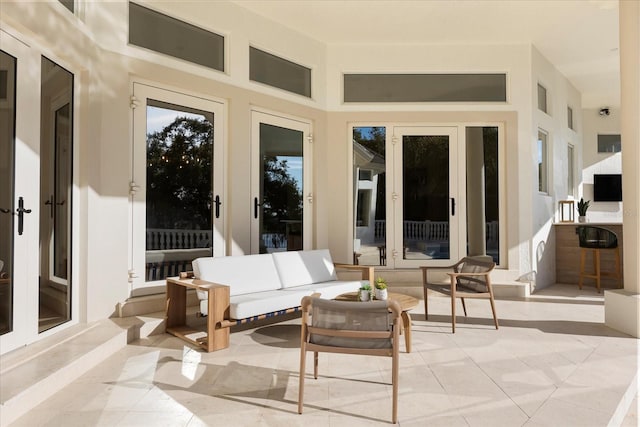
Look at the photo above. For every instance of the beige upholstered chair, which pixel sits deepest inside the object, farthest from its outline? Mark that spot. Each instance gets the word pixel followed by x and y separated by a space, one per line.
pixel 469 278
pixel 370 328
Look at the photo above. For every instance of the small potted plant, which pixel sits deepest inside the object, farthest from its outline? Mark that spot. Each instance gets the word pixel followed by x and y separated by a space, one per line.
pixel 364 293
pixel 582 210
pixel 381 288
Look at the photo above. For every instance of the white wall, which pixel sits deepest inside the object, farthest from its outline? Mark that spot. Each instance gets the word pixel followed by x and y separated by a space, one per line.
pixel 106 74
pixel 560 94
pixel 600 163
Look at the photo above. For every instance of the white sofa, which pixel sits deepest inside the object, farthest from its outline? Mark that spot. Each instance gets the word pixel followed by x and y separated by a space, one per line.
pixel 270 284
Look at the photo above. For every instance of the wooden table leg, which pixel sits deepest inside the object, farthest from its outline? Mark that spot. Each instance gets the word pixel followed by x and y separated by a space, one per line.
pixel 176 305
pixel 218 307
pixel 406 322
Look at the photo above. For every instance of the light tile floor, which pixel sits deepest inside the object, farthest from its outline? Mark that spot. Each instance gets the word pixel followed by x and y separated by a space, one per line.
pixel 551 363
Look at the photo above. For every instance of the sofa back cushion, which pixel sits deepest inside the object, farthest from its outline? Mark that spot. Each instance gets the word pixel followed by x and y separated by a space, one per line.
pixel 244 274
pixel 298 268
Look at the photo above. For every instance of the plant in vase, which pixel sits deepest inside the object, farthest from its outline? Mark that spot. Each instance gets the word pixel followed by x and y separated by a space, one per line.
pixel 364 293
pixel 381 288
pixel 582 210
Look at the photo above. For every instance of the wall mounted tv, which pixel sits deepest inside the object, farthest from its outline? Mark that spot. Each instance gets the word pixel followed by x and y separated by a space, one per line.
pixel 607 188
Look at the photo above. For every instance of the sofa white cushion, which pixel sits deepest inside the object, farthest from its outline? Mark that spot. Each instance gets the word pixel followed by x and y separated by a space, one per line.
pixel 329 290
pixel 249 305
pixel 298 268
pixel 243 274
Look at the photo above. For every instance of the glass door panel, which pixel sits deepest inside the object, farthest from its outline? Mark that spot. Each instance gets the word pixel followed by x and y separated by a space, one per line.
pixel 180 204
pixel 177 186
pixel 369 195
pixel 279 213
pixel 7 194
pixel 56 144
pixel 425 196
pixel 483 206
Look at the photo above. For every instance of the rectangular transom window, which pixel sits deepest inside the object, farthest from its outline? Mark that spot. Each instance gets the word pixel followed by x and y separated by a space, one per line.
pixel 425 87
pixel 609 143
pixel 278 72
pixel 170 36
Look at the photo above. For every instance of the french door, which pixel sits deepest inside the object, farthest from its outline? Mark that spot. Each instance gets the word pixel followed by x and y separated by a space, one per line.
pixel 281 184
pixel 36 194
pixel 177 186
pixel 425 196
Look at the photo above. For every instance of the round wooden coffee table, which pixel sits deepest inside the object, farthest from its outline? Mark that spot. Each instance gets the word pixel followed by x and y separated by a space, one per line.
pixel 406 303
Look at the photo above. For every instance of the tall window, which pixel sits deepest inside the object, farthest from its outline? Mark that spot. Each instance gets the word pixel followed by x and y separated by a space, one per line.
pixel 570 171
pixel 543 185
pixel 542 98
pixel 570 117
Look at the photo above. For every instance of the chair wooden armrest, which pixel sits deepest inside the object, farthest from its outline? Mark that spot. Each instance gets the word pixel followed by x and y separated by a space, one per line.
pixel 368 272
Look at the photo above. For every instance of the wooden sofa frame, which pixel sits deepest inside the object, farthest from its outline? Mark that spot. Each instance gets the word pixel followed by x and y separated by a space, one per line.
pixel 218 319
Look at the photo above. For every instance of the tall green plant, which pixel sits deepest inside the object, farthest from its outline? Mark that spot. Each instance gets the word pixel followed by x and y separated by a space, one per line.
pixel 583 206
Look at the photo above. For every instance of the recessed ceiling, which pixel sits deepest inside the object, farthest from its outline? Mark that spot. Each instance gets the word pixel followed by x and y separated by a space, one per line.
pixel 580 37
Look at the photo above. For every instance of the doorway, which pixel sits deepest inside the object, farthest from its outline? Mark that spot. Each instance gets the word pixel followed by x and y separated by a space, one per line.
pixel 177 189
pixel 425 195
pixel 36 195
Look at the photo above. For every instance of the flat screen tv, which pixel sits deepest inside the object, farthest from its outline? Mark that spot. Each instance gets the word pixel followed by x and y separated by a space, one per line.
pixel 607 188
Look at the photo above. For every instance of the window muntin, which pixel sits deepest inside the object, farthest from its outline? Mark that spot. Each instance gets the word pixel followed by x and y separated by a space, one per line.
pixel 164 34
pixel 278 72
pixel 542 161
pixel 425 87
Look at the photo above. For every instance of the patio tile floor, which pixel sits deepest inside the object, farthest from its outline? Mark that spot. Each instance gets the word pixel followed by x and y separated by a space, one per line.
pixel 553 362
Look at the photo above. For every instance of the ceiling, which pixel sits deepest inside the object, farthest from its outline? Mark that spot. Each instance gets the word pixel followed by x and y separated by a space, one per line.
pixel 580 37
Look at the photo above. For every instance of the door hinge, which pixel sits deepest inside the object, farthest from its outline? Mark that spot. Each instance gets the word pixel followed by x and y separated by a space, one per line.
pixel 394 140
pixel 133 188
pixel 133 102
pixel 310 197
pixel 394 196
pixel 394 254
pixel 132 275
pixel 310 138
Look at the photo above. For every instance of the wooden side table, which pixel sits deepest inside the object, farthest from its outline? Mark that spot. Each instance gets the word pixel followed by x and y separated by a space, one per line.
pixel 176 316
pixel 406 303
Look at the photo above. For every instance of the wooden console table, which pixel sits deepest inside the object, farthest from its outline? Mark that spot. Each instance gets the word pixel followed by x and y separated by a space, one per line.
pixel 216 337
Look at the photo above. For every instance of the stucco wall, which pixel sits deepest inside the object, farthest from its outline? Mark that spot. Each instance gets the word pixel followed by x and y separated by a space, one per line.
pixel 600 163
pixel 560 95
pixel 104 77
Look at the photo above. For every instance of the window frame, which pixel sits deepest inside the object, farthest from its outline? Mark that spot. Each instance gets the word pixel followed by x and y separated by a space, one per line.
pixel 542 161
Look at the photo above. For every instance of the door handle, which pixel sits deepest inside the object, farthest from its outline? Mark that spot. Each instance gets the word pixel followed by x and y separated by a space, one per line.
pixel 217 202
pixel 256 205
pixel 21 211
pixel 453 206
pixel 50 203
